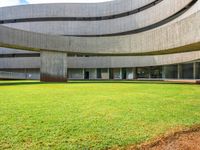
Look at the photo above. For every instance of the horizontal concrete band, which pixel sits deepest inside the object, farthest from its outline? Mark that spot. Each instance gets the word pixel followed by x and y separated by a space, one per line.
pixel 20 63
pixel 139 22
pixel 106 62
pixel 15 75
pixel 81 10
pixel 181 36
pixel 113 16
pixel 132 61
pixel 14 51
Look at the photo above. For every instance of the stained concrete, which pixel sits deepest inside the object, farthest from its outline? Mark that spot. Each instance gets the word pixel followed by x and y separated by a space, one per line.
pixel 53 66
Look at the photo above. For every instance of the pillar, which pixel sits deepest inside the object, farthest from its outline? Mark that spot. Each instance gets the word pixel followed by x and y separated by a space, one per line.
pixel 95 73
pixel 197 70
pixel 163 72
pixel 179 71
pixel 53 66
pixel 120 74
pixel 108 75
pixel 104 73
pixel 194 70
pixel 92 74
pixel 129 74
pixel 149 72
pixel 83 74
pixel 134 73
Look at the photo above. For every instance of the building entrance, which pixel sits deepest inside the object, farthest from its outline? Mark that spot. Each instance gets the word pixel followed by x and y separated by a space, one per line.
pixel 87 75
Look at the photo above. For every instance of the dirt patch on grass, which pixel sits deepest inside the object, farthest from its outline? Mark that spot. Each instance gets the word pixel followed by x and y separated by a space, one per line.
pixel 188 139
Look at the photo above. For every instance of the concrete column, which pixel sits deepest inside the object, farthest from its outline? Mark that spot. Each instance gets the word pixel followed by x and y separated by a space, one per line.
pixel 108 73
pixel 197 70
pixel 149 70
pixel 109 70
pixel 194 70
pixel 179 71
pixel 83 74
pixel 163 72
pixel 95 73
pixel 134 73
pixel 26 74
pixel 53 66
pixel 92 74
pixel 129 74
pixel 120 73
pixel 108 77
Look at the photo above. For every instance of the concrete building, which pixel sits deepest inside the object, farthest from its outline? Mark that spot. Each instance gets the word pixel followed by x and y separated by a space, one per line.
pixel 120 39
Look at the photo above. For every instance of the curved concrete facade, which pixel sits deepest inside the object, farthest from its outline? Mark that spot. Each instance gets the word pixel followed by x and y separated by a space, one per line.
pixel 139 20
pixel 159 40
pixel 105 62
pixel 73 9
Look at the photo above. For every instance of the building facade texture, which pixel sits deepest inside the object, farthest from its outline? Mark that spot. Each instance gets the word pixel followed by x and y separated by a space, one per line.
pixel 120 39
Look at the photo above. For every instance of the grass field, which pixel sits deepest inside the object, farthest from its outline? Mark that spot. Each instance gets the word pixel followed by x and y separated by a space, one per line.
pixel 89 115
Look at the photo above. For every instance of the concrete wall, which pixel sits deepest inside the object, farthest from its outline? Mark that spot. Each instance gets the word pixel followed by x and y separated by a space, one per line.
pixel 76 73
pixel 162 40
pixel 105 62
pixel 130 73
pixel 53 66
pixel 139 20
pixel 190 70
pixel 131 61
pixel 16 75
pixel 13 51
pixel 72 9
pixel 189 12
pixel 22 62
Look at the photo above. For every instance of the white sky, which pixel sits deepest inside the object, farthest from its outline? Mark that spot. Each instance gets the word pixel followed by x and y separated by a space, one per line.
pixel 9 2
pixel 19 2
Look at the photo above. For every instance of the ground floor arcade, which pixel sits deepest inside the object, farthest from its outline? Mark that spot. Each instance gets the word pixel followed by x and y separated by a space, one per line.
pixel 176 71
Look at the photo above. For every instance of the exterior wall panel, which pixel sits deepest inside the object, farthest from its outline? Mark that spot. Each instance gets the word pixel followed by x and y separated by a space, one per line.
pixel 162 40
pixel 139 20
pixel 72 9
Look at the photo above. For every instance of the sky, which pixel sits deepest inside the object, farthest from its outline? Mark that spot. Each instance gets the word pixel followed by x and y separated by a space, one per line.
pixel 22 2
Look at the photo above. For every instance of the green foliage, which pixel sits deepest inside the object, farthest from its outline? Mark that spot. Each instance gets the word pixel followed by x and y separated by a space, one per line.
pixel 89 115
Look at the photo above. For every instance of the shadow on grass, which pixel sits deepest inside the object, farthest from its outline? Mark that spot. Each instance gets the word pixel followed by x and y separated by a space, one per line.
pixel 25 82
pixel 5 83
pixel 125 82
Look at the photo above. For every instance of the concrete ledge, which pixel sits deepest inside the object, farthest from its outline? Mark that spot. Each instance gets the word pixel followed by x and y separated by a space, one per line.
pixel 183 81
pixel 193 81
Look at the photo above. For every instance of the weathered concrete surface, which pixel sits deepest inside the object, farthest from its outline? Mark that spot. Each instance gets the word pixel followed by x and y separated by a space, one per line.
pixel 72 9
pixel 18 75
pixel 132 61
pixel 20 62
pixel 142 19
pixel 183 35
pixel 76 73
pixel 14 51
pixel 158 41
pixel 105 62
pixel 53 66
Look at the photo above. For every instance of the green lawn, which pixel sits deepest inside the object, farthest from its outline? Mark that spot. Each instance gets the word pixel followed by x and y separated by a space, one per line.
pixel 89 115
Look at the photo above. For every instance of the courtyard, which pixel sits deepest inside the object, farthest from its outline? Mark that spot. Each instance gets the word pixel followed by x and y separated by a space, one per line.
pixel 93 114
